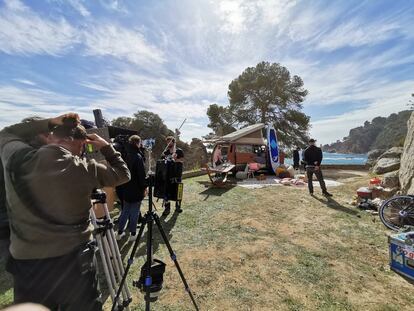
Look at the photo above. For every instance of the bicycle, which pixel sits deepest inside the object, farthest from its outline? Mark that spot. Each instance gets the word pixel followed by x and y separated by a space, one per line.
pixel 398 212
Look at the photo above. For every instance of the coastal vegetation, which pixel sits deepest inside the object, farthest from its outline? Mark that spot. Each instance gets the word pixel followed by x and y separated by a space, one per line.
pixel 381 133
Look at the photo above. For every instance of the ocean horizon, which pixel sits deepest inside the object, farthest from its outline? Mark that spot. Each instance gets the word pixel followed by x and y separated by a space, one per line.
pixel 340 158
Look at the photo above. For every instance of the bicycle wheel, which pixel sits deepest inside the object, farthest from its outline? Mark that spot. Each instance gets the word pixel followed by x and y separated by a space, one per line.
pixel 397 212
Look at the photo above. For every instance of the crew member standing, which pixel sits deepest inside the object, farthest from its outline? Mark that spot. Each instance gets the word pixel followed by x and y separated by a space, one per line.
pixel 313 159
pixel 173 153
pixel 296 158
pixel 133 191
pixel 48 200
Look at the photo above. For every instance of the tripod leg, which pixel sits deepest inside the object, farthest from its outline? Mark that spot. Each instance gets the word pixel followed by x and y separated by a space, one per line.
pixel 105 266
pixel 113 247
pixel 130 261
pixel 106 262
pixel 174 258
pixel 148 279
pixel 117 259
pixel 110 264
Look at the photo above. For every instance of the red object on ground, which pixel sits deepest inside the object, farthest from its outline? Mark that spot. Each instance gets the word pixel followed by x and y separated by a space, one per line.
pixel 364 193
pixel 375 181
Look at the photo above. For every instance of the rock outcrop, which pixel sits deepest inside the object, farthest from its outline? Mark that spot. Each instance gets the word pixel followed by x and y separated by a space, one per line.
pixel 385 165
pixel 394 152
pixel 406 174
pixel 391 180
pixel 373 156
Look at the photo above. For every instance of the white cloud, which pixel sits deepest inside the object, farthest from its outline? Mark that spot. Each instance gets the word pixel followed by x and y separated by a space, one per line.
pixel 357 33
pixel 119 42
pixel 17 103
pixel 233 16
pixel 80 7
pixel 24 32
pixel 15 5
pixel 173 98
pixel 237 16
pixel 114 5
pixel 24 81
pixel 188 53
pixel 382 102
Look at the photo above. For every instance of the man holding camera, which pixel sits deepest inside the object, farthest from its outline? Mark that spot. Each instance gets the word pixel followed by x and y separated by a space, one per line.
pixel 48 199
pixel 173 153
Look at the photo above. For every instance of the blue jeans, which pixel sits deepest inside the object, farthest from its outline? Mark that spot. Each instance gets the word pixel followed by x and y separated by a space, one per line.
pixel 129 211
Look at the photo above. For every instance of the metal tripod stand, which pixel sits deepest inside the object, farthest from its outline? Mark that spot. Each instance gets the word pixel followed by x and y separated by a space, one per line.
pixel 109 253
pixel 149 218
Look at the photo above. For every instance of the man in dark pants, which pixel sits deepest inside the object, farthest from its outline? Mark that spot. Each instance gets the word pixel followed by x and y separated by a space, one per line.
pixel 133 191
pixel 296 158
pixel 313 159
pixel 48 201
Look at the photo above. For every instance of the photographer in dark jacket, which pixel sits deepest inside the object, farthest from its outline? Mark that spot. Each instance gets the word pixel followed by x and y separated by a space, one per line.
pixel 133 192
pixel 313 159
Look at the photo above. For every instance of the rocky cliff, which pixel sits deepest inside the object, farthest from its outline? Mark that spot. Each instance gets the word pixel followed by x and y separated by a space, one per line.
pixel 381 133
pixel 406 174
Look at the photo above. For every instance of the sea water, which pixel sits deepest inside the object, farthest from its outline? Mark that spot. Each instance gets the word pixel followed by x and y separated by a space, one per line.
pixel 340 158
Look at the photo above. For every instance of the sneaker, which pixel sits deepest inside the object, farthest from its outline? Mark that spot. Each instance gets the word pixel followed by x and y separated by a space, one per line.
pixel 133 237
pixel 311 192
pixel 119 236
pixel 327 194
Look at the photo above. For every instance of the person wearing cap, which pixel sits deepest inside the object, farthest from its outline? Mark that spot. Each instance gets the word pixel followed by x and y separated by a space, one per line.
pixel 313 159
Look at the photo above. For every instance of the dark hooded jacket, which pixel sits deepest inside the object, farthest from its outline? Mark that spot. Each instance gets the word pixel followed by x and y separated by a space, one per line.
pixel 133 191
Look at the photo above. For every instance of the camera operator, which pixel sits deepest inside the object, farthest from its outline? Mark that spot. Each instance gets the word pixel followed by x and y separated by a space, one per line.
pixel 172 153
pixel 48 200
pixel 133 192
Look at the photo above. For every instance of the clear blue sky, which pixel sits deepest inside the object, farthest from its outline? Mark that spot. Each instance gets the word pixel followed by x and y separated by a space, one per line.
pixel 176 58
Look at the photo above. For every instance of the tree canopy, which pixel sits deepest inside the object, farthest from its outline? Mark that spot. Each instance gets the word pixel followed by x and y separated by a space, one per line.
pixel 148 125
pixel 268 94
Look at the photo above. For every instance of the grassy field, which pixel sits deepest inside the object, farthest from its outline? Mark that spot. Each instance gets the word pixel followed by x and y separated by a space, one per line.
pixel 272 249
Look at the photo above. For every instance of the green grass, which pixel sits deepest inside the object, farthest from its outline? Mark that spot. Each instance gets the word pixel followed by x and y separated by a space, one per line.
pixel 271 249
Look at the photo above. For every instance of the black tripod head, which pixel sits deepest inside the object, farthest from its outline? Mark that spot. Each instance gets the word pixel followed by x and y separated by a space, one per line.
pixel 98 196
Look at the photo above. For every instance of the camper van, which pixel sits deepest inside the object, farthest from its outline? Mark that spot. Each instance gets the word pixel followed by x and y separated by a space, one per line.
pixel 245 146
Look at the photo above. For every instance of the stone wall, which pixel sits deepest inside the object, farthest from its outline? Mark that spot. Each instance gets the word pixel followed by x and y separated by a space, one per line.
pixel 407 160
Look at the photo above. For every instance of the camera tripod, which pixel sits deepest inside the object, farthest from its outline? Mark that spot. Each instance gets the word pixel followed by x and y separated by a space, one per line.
pixel 108 250
pixel 149 218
